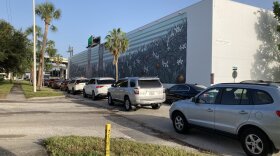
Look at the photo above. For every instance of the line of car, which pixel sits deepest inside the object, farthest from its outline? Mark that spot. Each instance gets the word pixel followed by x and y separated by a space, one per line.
pixel 248 110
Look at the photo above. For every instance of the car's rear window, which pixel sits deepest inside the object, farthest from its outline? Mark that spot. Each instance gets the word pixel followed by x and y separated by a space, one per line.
pixel 105 81
pixel 149 83
pixel 198 87
pixel 82 81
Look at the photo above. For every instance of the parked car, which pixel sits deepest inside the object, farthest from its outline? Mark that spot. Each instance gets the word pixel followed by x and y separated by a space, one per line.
pixel 56 84
pixel 98 87
pixel 50 82
pixel 182 92
pixel 137 91
pixel 76 85
pixel 46 82
pixel 250 111
pixel 63 86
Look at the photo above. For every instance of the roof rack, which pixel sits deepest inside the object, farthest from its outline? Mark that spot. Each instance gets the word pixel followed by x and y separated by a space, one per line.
pixel 258 82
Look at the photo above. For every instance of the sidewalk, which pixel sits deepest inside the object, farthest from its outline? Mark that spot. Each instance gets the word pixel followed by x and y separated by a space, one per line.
pixel 16 94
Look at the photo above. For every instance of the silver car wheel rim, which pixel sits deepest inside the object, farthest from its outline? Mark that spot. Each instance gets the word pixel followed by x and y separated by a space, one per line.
pixel 254 144
pixel 127 105
pixel 179 123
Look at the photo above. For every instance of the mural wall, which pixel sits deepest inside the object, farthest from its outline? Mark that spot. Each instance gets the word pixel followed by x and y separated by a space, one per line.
pixel 164 57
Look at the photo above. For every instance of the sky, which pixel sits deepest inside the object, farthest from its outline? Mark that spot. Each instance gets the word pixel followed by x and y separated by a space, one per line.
pixel 82 18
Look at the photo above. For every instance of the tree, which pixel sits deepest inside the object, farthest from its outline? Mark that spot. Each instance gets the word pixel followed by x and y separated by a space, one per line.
pixel 47 12
pixel 116 43
pixel 276 11
pixel 29 31
pixel 15 49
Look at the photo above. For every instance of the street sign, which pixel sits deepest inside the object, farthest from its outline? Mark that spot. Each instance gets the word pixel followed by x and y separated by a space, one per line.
pixel 234 74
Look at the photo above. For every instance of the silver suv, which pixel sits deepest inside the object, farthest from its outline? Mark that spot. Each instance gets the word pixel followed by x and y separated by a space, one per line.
pixel 137 91
pixel 250 111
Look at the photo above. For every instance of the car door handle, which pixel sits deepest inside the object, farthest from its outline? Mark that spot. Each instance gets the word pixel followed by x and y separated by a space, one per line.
pixel 209 110
pixel 243 112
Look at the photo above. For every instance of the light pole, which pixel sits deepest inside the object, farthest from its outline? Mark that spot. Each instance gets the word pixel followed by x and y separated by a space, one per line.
pixel 34 50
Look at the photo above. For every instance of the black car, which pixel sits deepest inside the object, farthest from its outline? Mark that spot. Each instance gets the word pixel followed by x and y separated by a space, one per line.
pixel 183 91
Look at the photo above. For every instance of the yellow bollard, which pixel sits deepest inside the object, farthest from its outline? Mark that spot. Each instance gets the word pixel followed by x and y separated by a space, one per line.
pixel 107 139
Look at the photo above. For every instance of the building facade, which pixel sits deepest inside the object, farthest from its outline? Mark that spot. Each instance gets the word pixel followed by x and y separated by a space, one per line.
pixel 198 44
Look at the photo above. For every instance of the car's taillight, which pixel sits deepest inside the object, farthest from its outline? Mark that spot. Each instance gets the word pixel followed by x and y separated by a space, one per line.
pixel 99 86
pixel 278 113
pixel 136 90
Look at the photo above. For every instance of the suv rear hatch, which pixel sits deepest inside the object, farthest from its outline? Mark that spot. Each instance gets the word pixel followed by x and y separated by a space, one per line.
pixel 150 89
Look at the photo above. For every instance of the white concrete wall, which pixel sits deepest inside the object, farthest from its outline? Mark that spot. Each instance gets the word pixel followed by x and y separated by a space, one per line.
pixel 199 43
pixel 234 40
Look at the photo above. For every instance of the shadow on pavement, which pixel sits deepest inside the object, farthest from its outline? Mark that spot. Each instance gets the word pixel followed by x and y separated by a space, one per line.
pixel 5 152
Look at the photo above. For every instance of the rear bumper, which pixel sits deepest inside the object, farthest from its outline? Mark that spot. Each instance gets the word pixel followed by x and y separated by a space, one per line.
pixel 145 102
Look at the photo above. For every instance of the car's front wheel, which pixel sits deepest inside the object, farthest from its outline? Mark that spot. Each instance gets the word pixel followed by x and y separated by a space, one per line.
pixel 110 100
pixel 84 94
pixel 180 123
pixel 255 143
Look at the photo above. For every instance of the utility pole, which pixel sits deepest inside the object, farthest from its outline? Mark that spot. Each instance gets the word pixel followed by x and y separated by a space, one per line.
pixel 70 50
pixel 34 50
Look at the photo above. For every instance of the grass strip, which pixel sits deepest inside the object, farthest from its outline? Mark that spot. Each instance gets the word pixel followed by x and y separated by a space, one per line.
pixel 93 146
pixel 44 92
pixel 5 88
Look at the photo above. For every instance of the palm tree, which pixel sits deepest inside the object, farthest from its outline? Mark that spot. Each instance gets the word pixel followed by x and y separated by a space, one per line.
pixel 47 12
pixel 116 43
pixel 29 31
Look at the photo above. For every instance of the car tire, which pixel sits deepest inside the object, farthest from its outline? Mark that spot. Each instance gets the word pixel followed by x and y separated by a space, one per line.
pixel 110 100
pixel 255 143
pixel 68 91
pixel 127 104
pixel 73 91
pixel 180 123
pixel 93 96
pixel 156 106
pixel 84 94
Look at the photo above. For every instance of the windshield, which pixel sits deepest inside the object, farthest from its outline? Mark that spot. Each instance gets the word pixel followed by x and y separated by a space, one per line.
pixel 105 81
pixel 149 83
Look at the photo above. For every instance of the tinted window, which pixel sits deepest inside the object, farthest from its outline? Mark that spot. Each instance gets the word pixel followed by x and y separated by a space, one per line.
pixel 91 81
pixel 132 83
pixel 209 97
pixel 105 81
pixel 198 87
pixel 231 96
pixel 124 84
pixel 149 83
pixel 245 100
pixel 174 88
pixel 119 83
pixel 183 88
pixel 82 81
pixel 261 97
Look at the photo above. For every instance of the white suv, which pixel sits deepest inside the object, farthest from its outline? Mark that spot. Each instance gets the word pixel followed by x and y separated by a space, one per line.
pixel 136 91
pixel 76 85
pixel 249 110
pixel 98 87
